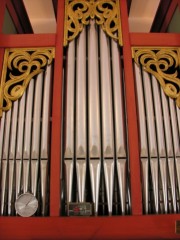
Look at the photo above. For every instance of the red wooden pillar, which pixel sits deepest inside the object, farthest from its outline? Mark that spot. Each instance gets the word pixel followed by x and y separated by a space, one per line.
pixel 57 116
pixel 134 155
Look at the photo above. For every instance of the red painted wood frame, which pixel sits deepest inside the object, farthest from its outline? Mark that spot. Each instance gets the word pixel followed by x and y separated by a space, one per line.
pixel 56 227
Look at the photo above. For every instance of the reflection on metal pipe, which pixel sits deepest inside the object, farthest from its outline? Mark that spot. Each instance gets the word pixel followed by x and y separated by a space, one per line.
pixel 107 118
pixel 145 183
pixel 69 125
pixel 27 136
pixel 12 154
pixel 5 160
pixel 94 114
pixel 119 124
pixel 36 133
pixel 151 138
pixel 143 138
pixel 161 141
pixel 44 152
pixel 172 182
pixel 121 170
pixel 81 138
pixel 19 144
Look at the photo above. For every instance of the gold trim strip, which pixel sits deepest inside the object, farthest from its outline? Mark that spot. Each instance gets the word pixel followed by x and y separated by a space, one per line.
pixel 79 12
pixel 164 64
pixel 19 67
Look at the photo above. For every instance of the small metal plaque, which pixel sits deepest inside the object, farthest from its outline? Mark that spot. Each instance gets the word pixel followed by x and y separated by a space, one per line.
pixel 79 209
pixel 178 227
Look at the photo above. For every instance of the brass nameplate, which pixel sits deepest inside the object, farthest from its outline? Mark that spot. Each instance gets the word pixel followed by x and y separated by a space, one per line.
pixel 178 227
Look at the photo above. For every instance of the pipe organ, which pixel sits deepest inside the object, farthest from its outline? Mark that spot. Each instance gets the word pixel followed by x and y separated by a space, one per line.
pixel 90 128
pixel 25 141
pixel 95 151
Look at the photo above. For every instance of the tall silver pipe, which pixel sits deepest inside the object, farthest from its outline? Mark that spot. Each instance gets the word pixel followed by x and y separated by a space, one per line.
pixel 176 144
pixel 36 133
pixel 151 138
pixel 94 114
pixel 44 152
pixel 69 124
pixel 27 136
pixel 143 137
pixel 169 147
pixel 107 118
pixel 119 124
pixel 5 159
pixel 19 143
pixel 161 141
pixel 177 158
pixel 12 154
pixel 81 135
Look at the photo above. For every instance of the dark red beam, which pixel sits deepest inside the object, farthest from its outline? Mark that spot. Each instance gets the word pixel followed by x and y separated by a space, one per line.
pixel 27 40
pixel 82 228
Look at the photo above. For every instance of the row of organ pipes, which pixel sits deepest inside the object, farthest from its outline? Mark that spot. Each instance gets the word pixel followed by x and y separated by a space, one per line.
pixel 94 135
pixel 24 145
pixel 159 127
pixel 95 165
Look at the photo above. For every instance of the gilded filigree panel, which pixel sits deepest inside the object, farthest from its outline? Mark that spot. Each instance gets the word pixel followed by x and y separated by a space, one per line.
pixel 164 64
pixel 78 13
pixel 19 67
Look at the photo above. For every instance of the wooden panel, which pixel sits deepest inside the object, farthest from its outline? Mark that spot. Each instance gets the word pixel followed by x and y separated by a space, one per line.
pixel 129 227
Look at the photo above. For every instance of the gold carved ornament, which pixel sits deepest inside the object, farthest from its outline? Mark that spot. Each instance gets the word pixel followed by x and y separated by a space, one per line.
pixel 164 64
pixel 78 13
pixel 19 67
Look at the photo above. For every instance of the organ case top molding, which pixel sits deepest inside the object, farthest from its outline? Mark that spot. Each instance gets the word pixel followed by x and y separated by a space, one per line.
pixel 78 13
pixel 164 64
pixel 19 67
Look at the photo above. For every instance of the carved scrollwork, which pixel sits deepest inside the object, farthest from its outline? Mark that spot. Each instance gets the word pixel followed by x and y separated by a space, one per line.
pixel 79 12
pixel 20 66
pixel 164 64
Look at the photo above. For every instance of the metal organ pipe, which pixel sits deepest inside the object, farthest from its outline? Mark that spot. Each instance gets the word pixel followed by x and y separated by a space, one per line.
pixel 107 118
pixel 69 126
pixel 24 145
pixel 81 135
pixel 94 114
pixel 27 136
pixel 19 144
pixel 176 143
pixel 121 157
pixel 36 133
pixel 143 138
pixel 162 122
pixel 44 152
pixel 5 160
pixel 161 141
pixel 151 138
pixel 93 74
pixel 169 146
pixel 12 154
